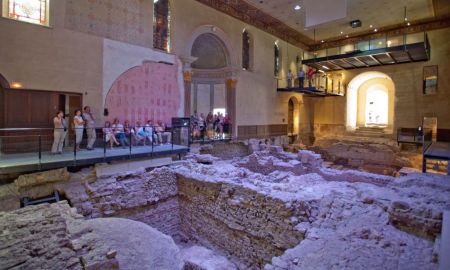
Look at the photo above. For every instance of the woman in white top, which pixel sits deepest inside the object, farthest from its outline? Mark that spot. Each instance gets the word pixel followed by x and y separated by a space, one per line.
pixel 78 124
pixel 109 135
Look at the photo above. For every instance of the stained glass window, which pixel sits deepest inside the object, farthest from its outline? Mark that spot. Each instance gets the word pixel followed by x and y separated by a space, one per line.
pixel 161 25
pixel 32 11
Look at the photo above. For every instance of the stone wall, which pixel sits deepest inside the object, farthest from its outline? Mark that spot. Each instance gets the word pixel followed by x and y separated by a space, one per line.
pixel 43 237
pixel 225 150
pixel 246 225
pixel 150 198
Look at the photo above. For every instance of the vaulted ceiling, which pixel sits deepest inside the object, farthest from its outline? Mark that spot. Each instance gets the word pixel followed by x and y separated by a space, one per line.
pixel 279 18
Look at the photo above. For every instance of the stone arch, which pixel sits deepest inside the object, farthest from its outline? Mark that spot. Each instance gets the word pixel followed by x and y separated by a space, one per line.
pixel 220 35
pixel 293 115
pixel 4 82
pixel 210 51
pixel 357 95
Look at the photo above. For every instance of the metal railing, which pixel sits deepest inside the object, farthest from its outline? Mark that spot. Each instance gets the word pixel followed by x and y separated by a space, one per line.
pixel 38 146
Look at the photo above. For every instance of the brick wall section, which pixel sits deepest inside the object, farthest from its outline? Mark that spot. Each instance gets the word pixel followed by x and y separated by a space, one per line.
pixel 240 222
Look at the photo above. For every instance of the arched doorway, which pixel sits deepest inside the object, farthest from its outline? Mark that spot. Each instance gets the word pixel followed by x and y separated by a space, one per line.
pixel 370 102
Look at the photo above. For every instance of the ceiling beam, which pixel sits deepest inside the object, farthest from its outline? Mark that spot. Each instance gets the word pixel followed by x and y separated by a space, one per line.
pixel 409 56
pixel 334 63
pixel 376 60
pixel 345 60
pixel 392 58
pixel 360 61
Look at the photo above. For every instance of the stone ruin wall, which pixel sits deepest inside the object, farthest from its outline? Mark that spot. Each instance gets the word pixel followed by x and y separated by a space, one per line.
pixel 43 237
pixel 148 197
pixel 244 224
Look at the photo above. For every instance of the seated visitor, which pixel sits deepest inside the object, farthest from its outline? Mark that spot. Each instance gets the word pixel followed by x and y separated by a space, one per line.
pixel 129 131
pixel 140 135
pixel 119 132
pixel 160 131
pixel 109 135
pixel 149 132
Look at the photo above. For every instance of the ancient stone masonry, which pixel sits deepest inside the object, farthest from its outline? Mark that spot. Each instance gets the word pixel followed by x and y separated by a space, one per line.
pixel 268 210
pixel 45 237
pixel 361 220
pixel 377 155
pixel 146 197
pixel 246 225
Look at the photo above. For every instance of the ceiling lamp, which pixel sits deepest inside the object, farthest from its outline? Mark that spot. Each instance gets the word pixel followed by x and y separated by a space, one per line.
pixel 297 7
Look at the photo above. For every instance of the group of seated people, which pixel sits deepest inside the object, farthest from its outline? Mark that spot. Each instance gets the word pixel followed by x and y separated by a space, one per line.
pixel 120 134
pixel 211 126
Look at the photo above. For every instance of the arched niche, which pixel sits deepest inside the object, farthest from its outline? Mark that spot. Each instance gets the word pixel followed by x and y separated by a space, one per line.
pixel 210 51
pixel 357 100
pixel 220 35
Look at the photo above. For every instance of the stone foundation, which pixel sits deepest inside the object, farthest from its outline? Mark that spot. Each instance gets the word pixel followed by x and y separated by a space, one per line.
pixel 272 209
pixel 245 225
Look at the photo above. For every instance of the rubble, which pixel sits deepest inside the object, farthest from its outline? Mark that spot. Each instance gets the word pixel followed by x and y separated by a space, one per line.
pixel 271 209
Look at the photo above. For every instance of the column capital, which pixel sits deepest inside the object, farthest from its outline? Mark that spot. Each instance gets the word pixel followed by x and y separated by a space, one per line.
pixel 187 75
pixel 187 60
pixel 231 83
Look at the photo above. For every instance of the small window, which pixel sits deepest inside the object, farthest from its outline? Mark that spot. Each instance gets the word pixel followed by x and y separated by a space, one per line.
pixel 31 11
pixel 161 25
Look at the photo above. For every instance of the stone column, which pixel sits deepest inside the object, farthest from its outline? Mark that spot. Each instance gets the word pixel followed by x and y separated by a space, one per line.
pixel 187 79
pixel 230 85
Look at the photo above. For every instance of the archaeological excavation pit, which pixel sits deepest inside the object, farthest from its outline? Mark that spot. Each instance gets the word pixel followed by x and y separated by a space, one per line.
pixel 267 210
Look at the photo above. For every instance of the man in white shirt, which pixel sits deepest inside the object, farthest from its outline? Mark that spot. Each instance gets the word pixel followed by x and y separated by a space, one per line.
pixel 90 127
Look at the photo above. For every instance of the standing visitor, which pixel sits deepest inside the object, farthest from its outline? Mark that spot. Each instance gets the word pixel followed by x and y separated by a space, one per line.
pixel 78 124
pixel 310 75
pixel 301 78
pixel 90 127
pixel 59 133
pixel 289 79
